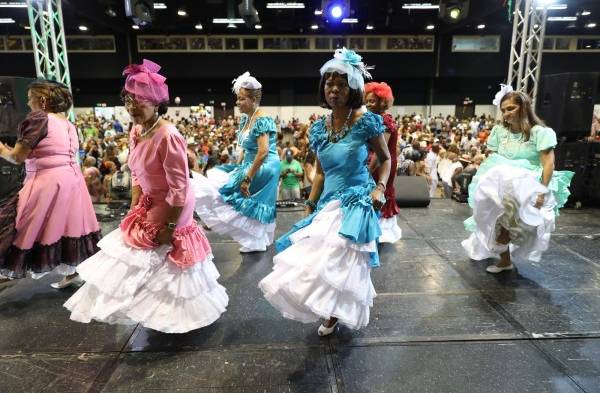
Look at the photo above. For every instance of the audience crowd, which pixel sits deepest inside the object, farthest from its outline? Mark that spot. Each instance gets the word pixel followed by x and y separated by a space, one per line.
pixel 442 149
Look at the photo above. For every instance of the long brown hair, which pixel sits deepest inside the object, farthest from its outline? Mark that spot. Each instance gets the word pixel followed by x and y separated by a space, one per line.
pixel 527 117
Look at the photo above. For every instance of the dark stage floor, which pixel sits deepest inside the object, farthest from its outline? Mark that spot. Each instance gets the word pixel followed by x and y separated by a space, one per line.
pixel 439 324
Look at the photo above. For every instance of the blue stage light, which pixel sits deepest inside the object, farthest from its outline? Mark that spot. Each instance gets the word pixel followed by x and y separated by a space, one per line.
pixel 336 12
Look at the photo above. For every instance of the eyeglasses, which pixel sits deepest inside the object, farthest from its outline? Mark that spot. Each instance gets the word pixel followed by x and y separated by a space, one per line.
pixel 130 101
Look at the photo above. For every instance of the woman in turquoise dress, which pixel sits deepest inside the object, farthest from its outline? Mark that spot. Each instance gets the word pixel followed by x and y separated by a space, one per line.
pixel 516 193
pixel 239 200
pixel 323 265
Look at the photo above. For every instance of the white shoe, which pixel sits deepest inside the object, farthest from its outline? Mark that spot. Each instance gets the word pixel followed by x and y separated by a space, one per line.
pixel 245 250
pixel 67 282
pixel 495 269
pixel 326 331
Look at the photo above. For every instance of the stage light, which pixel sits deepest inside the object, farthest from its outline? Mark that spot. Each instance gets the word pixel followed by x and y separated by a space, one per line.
pixel 249 13
pixel 160 6
pixel 258 27
pixel 7 20
pixel 481 26
pixel 453 11
pixel 318 12
pixel 314 27
pixel 586 13
pixel 370 27
pixel 349 20
pixel 181 12
pixel 562 18
pixel 198 26
pixel 335 10
pixel 590 25
pixel 231 26
pixel 285 5
pixel 135 27
pixel 420 6
pixel 83 28
pixel 430 27
pixel 140 11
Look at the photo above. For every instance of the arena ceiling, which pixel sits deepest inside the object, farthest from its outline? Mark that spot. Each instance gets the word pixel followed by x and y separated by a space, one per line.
pixel 385 16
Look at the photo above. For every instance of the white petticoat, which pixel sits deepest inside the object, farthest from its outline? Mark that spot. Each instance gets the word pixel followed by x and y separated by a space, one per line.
pixel 505 197
pixel 322 274
pixel 390 231
pixel 124 285
pixel 223 218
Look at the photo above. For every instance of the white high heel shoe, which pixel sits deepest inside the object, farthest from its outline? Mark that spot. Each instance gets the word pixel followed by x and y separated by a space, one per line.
pixel 67 282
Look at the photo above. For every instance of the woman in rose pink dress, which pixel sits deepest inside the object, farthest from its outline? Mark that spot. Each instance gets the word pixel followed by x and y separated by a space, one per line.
pixel 156 269
pixel 55 227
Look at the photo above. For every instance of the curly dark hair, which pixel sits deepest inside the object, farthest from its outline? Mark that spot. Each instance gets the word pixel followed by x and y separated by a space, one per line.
pixel 53 96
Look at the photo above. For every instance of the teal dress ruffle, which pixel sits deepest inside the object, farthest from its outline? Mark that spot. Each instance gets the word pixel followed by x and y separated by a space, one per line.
pixel 523 155
pixel 263 189
pixel 346 179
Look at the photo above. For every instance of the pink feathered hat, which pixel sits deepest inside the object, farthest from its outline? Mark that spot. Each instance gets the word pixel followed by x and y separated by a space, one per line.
pixel 144 81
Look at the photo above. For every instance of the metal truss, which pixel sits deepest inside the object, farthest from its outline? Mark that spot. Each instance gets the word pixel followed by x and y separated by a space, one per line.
pixel 529 30
pixel 48 38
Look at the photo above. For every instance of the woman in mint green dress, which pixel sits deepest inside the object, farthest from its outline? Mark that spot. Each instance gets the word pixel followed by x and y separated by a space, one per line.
pixel 239 200
pixel 516 193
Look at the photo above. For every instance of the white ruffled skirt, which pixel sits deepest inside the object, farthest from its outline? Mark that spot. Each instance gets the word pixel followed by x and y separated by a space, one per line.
pixel 390 231
pixel 222 218
pixel 505 197
pixel 128 286
pixel 322 274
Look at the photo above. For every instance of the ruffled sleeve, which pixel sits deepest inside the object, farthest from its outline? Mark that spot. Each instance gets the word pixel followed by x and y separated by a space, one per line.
pixel 371 125
pixel 317 136
pixel 263 125
pixel 493 141
pixel 33 129
pixel 545 138
pixel 173 154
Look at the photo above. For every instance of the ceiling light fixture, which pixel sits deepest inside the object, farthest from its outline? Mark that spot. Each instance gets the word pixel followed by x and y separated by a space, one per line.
pixel 7 20
pixel 314 27
pixel 12 4
pixel 430 27
pixel 420 6
pixel 231 26
pixel 318 12
pixel 135 27
pixel 585 13
pixel 349 20
pixel 562 18
pixel 83 28
pixel 181 12
pixel 591 25
pixel 160 6
pixel 258 27
pixel 285 5
pixel 553 7
pixel 198 26
pixel 370 27
pixel 228 20
pixel 481 26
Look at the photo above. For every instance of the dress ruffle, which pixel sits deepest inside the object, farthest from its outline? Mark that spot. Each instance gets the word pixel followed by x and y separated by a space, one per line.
pixel 41 259
pixel 189 242
pixel 504 196
pixel 223 218
pixel 368 126
pixel 125 285
pixel 390 231
pixel 322 273
pixel 360 223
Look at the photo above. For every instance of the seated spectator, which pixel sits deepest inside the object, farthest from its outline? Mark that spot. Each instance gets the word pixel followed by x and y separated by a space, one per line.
pixel 120 184
pixel 93 183
pixel 447 174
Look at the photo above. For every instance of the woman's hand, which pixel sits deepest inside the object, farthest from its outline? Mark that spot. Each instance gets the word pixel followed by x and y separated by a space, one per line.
pixel 377 198
pixel 539 202
pixel 245 188
pixel 164 236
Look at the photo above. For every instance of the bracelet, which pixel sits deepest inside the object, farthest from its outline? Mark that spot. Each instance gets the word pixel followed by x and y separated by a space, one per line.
pixel 382 184
pixel 310 204
pixel 247 179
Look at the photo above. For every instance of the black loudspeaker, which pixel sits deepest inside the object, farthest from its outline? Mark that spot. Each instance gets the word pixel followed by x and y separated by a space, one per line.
pixel 140 11
pixel 412 191
pixel 566 103
pixel 13 105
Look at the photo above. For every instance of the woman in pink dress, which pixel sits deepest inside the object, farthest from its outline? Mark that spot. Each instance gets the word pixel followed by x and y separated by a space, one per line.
pixel 156 269
pixel 55 227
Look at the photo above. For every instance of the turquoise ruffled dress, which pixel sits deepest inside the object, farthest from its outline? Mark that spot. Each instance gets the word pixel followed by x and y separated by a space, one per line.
pixel 504 191
pixel 220 203
pixel 323 264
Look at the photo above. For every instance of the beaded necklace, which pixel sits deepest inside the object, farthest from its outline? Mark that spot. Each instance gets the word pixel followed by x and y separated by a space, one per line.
pixel 336 136
pixel 149 130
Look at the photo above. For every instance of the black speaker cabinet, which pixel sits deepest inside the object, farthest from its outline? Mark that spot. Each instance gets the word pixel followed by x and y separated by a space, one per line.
pixel 412 191
pixel 566 103
pixel 13 105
